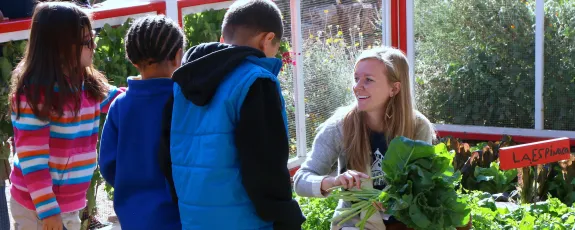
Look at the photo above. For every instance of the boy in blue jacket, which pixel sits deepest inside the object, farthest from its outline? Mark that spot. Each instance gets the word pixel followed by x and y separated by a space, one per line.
pixel 226 129
pixel 130 137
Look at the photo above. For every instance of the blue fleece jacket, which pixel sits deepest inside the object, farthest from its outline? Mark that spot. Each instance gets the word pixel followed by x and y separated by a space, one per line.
pixel 129 157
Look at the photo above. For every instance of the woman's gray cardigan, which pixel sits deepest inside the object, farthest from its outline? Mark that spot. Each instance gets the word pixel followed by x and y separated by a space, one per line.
pixel 327 150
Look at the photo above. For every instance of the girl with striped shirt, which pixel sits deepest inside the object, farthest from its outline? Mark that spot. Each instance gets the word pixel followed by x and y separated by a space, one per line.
pixel 56 98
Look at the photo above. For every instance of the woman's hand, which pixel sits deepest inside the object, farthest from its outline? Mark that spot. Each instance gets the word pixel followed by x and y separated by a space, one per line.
pixel 377 206
pixel 346 180
pixel 349 178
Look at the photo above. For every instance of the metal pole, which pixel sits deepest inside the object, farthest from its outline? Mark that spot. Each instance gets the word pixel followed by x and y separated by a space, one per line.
pixel 386 22
pixel 298 76
pixel 539 62
pixel 172 10
pixel 410 44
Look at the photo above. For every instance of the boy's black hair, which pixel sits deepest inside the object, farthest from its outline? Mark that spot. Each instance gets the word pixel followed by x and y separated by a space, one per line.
pixel 153 39
pixel 247 18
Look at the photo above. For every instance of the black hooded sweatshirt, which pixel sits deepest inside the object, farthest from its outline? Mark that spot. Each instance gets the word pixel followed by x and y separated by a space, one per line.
pixel 260 135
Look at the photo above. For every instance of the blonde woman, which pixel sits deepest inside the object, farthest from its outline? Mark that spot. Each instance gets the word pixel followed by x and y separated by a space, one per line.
pixel 356 137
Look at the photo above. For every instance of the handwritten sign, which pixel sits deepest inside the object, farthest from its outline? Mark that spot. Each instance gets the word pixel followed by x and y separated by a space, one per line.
pixel 535 153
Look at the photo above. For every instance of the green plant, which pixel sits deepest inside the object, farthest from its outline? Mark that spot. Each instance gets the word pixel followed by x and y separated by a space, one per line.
pixel 12 53
pixel 204 26
pixel 318 212
pixel 479 165
pixel 550 214
pixel 494 180
pixel 490 78
pixel 559 87
pixel 110 56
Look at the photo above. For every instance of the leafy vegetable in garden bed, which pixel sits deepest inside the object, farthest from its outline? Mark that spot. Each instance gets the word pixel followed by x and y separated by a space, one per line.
pixel 479 165
pixel 494 180
pixel 550 214
pixel 317 211
pixel 420 189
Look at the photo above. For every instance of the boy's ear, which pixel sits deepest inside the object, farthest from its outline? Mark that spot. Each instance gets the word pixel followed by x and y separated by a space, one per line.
pixel 178 60
pixel 222 39
pixel 267 38
pixel 270 36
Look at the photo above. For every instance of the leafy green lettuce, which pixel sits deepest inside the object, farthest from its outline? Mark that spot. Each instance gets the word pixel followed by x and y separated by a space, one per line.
pixel 421 184
pixel 493 180
pixel 545 215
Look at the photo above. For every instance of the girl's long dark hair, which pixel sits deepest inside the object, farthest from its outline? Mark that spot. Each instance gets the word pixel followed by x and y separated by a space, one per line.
pixel 51 75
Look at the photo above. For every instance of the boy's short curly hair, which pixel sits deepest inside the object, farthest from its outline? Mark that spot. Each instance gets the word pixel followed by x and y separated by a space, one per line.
pixel 247 18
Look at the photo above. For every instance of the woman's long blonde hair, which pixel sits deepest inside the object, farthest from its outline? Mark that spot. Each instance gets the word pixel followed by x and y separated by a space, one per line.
pixel 400 109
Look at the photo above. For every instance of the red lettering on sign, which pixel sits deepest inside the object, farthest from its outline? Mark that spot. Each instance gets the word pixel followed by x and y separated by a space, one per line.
pixel 535 153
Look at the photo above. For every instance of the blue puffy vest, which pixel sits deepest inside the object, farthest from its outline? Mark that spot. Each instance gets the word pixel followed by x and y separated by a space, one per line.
pixel 205 164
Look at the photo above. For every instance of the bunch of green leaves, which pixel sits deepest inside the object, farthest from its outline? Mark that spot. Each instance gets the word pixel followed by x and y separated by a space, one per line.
pixel 493 180
pixel 204 26
pixel 550 214
pixel 12 53
pixel 420 190
pixel 318 212
pixel 110 56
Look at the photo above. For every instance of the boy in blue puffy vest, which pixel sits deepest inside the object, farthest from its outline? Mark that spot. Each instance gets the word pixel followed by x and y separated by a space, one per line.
pixel 225 140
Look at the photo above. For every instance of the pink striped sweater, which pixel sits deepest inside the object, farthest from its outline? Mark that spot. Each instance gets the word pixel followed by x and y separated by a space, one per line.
pixel 55 159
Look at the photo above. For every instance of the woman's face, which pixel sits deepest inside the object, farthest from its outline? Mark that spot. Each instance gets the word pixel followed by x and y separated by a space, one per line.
pixel 88 48
pixel 372 89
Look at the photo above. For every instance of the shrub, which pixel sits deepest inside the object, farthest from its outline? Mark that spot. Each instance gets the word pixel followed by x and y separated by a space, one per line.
pixel 482 72
pixel 12 53
pixel 204 26
pixel 110 55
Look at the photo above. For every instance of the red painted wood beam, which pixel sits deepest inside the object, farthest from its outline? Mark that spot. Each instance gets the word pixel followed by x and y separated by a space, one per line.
pixel 399 24
pixel 493 137
pixel 402 24
pixel 188 3
pixel 292 171
pixel 97 13
pixel 394 22
pixel 159 7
